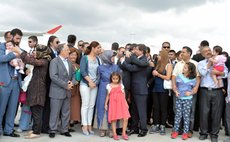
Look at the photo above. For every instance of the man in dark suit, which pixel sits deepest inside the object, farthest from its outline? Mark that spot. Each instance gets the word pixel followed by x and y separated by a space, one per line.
pixel 61 74
pixel 139 92
pixel 52 45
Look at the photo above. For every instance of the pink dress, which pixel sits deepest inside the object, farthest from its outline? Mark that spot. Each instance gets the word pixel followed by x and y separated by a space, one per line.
pixel 219 66
pixel 118 107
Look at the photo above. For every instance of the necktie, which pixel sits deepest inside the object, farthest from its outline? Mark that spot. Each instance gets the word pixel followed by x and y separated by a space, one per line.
pixel 66 65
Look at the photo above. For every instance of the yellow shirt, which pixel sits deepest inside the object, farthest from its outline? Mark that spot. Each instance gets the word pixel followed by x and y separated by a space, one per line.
pixel 178 69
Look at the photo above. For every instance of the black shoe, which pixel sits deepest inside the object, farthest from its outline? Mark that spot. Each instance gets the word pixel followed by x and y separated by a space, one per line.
pixel 214 140
pixel 142 134
pixel 12 135
pixel 132 132
pixel 71 130
pixel 52 135
pixel 67 134
pixel 203 137
pixel 71 124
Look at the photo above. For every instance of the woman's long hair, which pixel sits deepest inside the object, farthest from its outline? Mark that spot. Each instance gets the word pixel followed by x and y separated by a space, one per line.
pixel 161 64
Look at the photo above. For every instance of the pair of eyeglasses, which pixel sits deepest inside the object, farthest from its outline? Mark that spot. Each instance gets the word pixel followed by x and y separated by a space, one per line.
pixel 166 47
pixel 80 45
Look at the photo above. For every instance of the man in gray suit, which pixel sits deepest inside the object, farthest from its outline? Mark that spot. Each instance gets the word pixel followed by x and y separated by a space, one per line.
pixel 61 74
pixel 9 92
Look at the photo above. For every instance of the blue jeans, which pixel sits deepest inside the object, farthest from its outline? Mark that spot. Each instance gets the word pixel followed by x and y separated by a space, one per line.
pixel 9 97
pixel 25 118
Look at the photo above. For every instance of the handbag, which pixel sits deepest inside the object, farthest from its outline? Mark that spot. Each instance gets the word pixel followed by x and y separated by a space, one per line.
pixel 78 75
pixel 167 84
pixel 22 97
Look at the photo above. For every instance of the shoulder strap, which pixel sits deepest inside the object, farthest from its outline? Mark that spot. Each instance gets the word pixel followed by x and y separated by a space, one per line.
pixel 98 60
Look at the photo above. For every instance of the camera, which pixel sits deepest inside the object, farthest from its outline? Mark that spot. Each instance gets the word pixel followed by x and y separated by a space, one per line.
pixel 123 53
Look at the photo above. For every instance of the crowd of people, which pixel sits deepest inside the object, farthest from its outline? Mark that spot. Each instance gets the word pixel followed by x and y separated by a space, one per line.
pixel 118 91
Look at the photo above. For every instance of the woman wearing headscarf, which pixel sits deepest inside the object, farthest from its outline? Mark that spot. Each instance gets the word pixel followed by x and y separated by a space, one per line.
pixel 36 92
pixel 105 70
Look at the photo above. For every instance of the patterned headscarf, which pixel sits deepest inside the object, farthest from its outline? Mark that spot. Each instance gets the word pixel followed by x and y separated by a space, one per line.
pixel 42 52
pixel 106 56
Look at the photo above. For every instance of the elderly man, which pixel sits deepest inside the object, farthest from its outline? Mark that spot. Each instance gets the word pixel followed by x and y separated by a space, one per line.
pixel 61 74
pixel 211 97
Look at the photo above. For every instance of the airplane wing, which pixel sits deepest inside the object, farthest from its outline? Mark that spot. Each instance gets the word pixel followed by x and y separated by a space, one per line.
pixel 51 31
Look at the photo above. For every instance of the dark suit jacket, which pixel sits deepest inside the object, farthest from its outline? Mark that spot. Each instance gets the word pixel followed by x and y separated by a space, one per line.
pixel 198 57
pixel 138 75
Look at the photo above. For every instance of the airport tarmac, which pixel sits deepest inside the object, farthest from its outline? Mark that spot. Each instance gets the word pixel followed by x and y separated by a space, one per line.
pixel 79 137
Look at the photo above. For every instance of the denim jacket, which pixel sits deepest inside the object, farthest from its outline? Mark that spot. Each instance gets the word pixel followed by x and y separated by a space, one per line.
pixel 84 69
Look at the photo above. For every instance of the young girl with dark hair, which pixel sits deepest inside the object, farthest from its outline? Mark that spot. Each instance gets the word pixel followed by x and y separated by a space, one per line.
pixel 118 107
pixel 184 82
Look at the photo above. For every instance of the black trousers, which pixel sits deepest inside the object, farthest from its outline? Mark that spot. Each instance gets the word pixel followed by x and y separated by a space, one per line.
pixel 211 108
pixel 37 118
pixel 160 102
pixel 139 112
pixel 46 115
pixel 227 116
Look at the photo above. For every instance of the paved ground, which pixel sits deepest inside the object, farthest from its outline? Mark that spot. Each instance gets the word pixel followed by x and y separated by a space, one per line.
pixel 79 137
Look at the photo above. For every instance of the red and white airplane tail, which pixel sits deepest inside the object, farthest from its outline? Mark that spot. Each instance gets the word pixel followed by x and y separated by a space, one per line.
pixel 51 31
pixel 54 30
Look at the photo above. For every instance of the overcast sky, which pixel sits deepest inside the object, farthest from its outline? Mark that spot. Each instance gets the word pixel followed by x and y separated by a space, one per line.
pixel 181 22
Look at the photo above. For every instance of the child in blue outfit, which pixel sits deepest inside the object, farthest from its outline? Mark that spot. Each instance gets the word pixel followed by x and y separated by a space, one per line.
pixel 184 82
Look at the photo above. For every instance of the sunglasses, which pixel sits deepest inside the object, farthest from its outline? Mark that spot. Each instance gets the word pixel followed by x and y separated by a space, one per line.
pixel 30 41
pixel 80 45
pixel 57 42
pixel 168 47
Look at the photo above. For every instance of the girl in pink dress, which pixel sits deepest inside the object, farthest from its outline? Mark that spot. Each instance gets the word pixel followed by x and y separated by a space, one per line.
pixel 118 107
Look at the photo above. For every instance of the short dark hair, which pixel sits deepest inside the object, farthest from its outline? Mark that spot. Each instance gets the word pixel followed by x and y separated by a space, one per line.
pixel 172 51
pixel 79 41
pixel 192 70
pixel 218 49
pixel 9 42
pixel 51 39
pixel 142 47
pixel 115 46
pixel 189 50
pixel 178 53
pixel 204 43
pixel 167 43
pixel 115 74
pixel 225 54
pixel 16 31
pixel 71 39
pixel 148 49
pixel 34 38
pixel 6 33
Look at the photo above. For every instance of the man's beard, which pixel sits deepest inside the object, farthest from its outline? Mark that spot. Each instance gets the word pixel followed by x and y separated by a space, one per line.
pixel 16 43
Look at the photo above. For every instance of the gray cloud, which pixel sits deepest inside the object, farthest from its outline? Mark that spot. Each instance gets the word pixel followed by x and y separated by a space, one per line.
pixel 102 20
